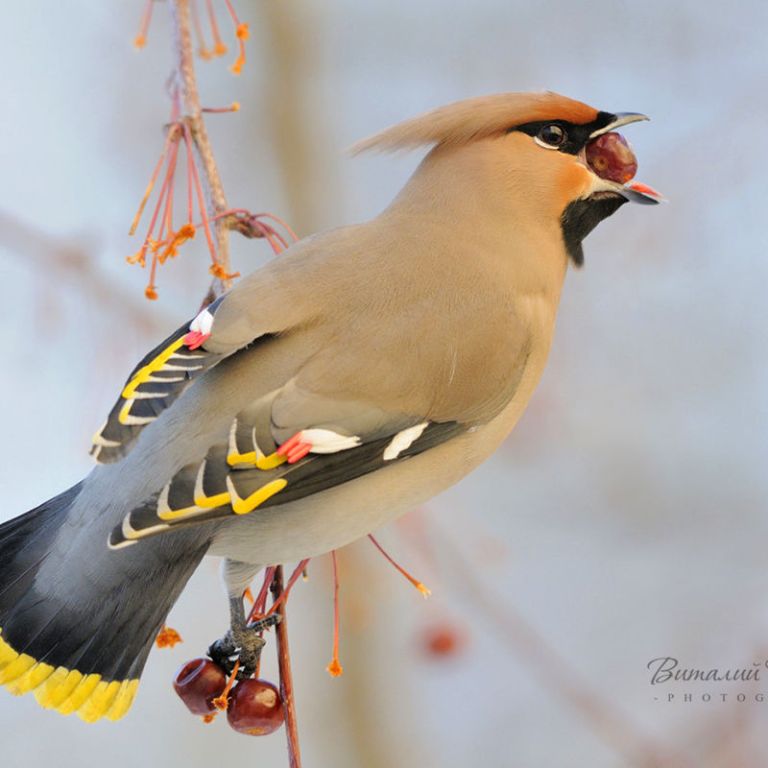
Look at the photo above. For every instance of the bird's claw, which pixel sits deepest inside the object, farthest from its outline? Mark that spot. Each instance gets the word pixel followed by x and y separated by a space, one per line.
pixel 266 623
pixel 242 644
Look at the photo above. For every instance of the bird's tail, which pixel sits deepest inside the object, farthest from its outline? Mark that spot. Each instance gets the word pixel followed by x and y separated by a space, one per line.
pixel 81 652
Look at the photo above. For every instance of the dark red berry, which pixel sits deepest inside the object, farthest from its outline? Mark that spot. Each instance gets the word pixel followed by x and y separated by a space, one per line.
pixel 255 708
pixel 198 682
pixel 611 157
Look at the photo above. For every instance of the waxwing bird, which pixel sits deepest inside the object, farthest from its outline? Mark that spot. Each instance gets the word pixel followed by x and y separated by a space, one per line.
pixel 355 376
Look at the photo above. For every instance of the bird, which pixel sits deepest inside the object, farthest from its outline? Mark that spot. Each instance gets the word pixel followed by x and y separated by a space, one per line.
pixel 355 376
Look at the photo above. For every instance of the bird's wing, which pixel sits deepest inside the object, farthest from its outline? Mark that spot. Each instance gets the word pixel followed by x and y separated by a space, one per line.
pixel 254 308
pixel 254 470
pixel 269 300
pixel 156 381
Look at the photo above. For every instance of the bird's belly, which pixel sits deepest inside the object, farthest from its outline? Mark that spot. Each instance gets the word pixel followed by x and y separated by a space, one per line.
pixel 340 515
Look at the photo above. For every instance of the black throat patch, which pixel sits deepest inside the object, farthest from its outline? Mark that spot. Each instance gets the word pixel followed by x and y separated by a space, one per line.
pixel 581 216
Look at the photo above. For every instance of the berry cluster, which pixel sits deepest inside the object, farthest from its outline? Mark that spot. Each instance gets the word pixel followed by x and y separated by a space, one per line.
pixel 254 707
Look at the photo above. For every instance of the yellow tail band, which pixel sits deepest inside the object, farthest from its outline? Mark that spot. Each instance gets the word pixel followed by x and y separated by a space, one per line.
pixel 65 690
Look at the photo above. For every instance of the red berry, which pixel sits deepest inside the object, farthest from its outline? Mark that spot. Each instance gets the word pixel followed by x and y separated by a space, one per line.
pixel 444 640
pixel 255 708
pixel 611 157
pixel 198 682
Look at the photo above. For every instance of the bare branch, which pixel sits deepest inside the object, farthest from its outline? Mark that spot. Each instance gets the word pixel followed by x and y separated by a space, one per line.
pixel 217 201
pixel 286 678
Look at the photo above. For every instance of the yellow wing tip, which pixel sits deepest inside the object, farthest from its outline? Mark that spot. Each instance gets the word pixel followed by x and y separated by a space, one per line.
pixel 257 459
pixel 155 364
pixel 244 506
pixel 65 690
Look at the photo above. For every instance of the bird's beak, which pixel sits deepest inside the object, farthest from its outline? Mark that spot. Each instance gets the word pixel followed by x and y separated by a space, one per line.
pixel 634 191
pixel 637 192
pixel 622 118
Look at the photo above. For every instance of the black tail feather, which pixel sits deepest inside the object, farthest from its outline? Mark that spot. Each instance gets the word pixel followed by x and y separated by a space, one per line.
pixel 83 652
pixel 24 543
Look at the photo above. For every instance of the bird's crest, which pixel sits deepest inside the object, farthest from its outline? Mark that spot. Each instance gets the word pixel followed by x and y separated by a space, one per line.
pixel 471 119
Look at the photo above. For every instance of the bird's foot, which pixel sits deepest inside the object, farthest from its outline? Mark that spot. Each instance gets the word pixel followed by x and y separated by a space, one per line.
pixel 242 644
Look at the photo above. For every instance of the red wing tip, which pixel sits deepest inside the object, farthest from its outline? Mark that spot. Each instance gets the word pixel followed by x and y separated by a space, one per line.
pixel 294 448
pixel 195 339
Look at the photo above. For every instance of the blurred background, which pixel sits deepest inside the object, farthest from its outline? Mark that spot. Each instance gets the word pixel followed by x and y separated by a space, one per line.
pixel 624 520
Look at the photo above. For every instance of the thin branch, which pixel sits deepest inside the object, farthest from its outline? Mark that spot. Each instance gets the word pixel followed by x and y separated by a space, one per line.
pixel 286 679
pixel 217 200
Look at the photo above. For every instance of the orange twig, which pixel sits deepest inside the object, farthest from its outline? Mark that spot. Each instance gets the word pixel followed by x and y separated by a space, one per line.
pixel 297 571
pixel 141 39
pixel 242 33
pixel 221 702
pixel 198 188
pixel 203 51
pixel 334 668
pixel 219 49
pixel 148 191
pixel 425 591
pixel 259 604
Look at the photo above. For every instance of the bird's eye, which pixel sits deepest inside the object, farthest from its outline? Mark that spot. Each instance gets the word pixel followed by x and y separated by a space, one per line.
pixel 551 136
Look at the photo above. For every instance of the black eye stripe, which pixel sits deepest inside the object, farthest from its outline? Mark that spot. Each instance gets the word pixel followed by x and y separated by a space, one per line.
pixel 576 135
pixel 552 135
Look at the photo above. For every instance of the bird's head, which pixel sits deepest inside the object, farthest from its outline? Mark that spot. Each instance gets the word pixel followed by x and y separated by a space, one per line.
pixel 549 157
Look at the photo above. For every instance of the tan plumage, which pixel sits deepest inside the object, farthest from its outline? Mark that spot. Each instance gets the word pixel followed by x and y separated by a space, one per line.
pixel 478 118
pixel 394 356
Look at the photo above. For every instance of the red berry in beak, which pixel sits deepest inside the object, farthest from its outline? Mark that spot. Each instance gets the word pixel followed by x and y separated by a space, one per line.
pixel 611 157
pixel 255 708
pixel 197 683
